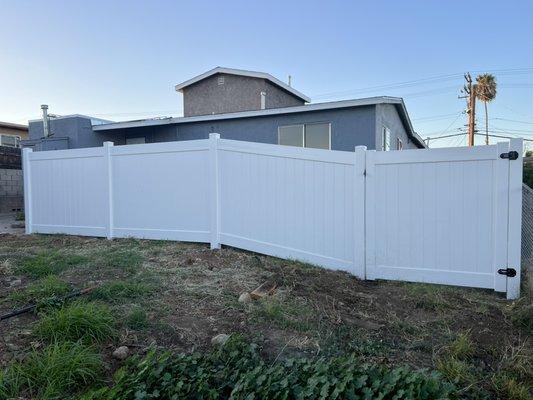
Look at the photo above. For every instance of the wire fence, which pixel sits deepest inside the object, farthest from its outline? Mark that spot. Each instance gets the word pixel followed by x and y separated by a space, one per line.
pixel 527 227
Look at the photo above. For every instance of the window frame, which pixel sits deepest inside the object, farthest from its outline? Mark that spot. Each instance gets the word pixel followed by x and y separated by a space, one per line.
pixel 304 125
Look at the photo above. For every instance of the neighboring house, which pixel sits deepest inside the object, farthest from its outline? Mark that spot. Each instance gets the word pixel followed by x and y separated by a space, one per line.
pixel 12 134
pixel 250 106
pixel 11 186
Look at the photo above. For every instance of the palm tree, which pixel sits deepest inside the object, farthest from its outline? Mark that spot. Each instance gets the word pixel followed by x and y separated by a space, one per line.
pixel 485 90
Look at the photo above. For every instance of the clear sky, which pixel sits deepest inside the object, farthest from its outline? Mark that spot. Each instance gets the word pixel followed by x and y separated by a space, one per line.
pixel 119 60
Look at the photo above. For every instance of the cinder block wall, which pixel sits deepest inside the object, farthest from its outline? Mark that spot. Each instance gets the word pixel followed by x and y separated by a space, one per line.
pixel 11 190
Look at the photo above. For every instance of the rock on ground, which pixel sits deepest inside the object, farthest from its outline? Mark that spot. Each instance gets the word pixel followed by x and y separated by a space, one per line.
pixel 220 339
pixel 245 298
pixel 121 353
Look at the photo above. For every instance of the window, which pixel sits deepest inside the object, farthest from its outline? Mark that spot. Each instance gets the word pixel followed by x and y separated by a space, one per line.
pixel 10 141
pixel 220 80
pixel 385 139
pixel 292 135
pixel 136 140
pixel 399 144
pixel 316 136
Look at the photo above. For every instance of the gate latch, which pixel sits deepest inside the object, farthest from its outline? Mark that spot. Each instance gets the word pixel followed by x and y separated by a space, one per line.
pixel 512 155
pixel 510 272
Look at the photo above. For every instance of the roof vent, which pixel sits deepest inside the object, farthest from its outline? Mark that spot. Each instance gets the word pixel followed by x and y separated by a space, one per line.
pixel 220 80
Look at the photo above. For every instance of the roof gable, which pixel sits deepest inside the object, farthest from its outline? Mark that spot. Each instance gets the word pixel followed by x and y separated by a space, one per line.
pixel 241 72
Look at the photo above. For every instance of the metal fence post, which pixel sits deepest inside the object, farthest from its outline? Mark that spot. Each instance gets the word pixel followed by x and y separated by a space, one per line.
pixel 26 175
pixel 215 201
pixel 109 177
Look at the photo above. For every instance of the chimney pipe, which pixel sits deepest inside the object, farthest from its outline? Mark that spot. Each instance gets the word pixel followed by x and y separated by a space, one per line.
pixel 263 100
pixel 290 79
pixel 46 121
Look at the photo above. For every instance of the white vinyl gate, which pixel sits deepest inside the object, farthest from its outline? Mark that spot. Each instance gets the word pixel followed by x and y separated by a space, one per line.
pixel 448 216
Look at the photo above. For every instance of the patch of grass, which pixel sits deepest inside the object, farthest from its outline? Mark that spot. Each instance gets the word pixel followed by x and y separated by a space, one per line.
pixel 456 371
pixel 286 313
pixel 137 319
pixel 523 317
pixel 49 286
pixel 49 262
pixel 462 347
pixel 427 297
pixel 125 259
pixel 508 387
pixel 58 371
pixel 88 322
pixel 116 291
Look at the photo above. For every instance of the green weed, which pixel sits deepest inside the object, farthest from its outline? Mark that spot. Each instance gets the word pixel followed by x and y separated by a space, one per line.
pixel 523 317
pixel 58 371
pixel 88 322
pixel 49 286
pixel 286 314
pixel 115 291
pixel 125 259
pixel 462 347
pixel 50 262
pixel 137 319
pixel 428 297
pixel 236 371
pixel 509 388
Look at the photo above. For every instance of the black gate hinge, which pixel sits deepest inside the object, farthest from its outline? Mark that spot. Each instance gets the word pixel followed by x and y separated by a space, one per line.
pixel 512 155
pixel 510 272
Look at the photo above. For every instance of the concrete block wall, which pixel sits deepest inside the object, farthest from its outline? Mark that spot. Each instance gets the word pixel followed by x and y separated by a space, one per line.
pixel 11 190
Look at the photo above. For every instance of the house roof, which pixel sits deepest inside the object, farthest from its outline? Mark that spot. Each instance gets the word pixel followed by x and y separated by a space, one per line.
pixel 10 125
pixel 242 72
pixel 396 101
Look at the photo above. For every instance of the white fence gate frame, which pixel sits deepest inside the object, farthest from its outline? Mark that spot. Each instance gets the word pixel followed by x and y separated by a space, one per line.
pixel 448 216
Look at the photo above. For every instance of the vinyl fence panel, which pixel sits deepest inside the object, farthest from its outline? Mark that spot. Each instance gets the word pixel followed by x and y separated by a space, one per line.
pixel 161 191
pixel 68 192
pixel 438 216
pixel 288 202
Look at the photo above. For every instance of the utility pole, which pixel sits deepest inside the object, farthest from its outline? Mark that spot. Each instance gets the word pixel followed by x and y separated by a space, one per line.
pixel 470 89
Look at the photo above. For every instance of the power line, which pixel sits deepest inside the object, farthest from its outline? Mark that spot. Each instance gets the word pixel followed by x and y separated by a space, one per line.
pixel 512 120
pixel 433 79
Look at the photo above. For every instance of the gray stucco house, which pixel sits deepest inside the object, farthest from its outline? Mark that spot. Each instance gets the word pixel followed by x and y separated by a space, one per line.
pixel 250 106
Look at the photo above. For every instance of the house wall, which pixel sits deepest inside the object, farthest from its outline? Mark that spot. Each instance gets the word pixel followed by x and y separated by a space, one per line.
pixel 238 93
pixel 66 133
pixel 11 186
pixel 350 127
pixel 4 130
pixel 387 115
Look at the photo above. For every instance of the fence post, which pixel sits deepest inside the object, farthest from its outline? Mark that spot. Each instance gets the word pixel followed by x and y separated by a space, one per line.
pixel 26 175
pixel 370 216
pixel 215 201
pixel 359 212
pixel 109 177
pixel 515 219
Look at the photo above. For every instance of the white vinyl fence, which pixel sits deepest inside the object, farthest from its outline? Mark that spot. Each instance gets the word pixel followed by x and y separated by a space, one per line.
pixel 448 216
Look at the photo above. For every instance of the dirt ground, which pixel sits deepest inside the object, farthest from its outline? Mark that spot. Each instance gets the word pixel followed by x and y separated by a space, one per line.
pixel 189 293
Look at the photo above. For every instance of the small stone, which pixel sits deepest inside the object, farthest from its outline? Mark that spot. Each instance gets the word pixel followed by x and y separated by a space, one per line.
pixel 121 353
pixel 220 339
pixel 12 347
pixel 16 282
pixel 245 298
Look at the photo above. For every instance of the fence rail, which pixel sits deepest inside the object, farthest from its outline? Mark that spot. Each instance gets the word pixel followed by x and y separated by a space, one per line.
pixel 441 215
